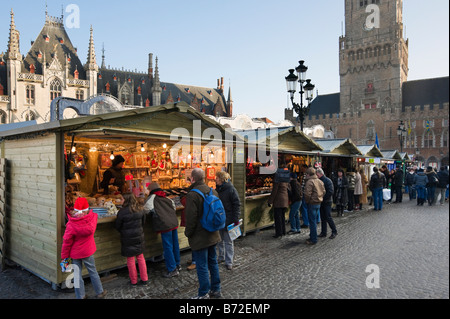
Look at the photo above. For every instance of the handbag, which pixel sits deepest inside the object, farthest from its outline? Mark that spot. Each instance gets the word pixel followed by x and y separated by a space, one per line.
pixel 386 194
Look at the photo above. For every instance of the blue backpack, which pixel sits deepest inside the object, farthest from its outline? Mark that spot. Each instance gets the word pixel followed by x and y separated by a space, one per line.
pixel 214 216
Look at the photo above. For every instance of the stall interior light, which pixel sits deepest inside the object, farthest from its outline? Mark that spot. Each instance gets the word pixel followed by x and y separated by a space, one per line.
pixel 164 145
pixel 189 156
pixel 142 148
pixel 74 148
pixel 112 155
pixel 212 154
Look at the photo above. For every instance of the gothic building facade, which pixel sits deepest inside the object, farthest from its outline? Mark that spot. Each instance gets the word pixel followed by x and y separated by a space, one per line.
pixel 52 68
pixel 375 96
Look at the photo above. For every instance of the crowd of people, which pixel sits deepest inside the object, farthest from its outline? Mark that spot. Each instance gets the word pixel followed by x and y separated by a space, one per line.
pixel 309 197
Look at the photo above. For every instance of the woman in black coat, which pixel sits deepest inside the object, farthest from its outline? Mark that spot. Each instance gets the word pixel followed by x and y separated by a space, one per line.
pixel 130 223
pixel 340 196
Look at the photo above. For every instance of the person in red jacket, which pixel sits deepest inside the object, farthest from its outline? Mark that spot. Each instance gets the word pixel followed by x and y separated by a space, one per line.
pixel 79 244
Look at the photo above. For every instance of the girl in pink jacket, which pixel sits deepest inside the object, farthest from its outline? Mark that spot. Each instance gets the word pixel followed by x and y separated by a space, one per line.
pixel 79 244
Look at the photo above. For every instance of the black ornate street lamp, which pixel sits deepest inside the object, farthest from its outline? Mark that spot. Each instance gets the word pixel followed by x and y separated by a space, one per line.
pixel 291 83
pixel 401 133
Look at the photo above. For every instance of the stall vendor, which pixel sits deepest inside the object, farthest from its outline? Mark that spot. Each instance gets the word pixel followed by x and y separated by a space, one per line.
pixel 114 175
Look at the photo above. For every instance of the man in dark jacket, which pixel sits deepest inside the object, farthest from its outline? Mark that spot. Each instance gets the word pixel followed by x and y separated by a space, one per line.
pixel 279 198
pixel 230 200
pixel 409 182
pixel 325 206
pixel 377 183
pixel 165 222
pixel 203 243
pixel 441 188
pixel 398 185
pixel 295 197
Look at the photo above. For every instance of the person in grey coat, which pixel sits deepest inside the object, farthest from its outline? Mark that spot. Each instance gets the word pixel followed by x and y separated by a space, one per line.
pixel 230 200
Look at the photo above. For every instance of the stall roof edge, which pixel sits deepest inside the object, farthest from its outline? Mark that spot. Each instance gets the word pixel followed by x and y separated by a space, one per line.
pixel 69 124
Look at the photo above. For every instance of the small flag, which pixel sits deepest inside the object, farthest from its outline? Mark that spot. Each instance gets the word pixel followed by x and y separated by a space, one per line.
pixel 376 141
pixel 409 127
pixel 427 125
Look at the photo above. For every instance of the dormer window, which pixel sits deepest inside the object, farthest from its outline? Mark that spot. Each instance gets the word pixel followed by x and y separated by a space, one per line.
pixel 100 76
pixel 32 68
pixel 139 90
pixel 47 39
pixel 108 88
pixel 76 74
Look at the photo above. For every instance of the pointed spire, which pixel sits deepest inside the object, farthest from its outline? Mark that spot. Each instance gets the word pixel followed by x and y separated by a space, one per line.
pixel 91 63
pixel 156 82
pixel 103 56
pixel 13 51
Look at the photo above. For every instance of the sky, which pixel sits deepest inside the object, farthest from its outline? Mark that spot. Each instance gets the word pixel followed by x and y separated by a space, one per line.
pixel 250 43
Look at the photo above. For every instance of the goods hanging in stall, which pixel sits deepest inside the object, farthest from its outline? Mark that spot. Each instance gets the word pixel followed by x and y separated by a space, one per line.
pixel 285 146
pixel 53 163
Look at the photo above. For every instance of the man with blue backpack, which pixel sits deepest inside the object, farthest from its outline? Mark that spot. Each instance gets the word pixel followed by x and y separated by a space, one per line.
pixel 205 215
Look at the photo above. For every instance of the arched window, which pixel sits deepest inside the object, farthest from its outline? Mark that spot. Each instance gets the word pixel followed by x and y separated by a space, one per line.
pixel 410 140
pixel 2 117
pixel 30 116
pixel 444 139
pixel 370 132
pixel 428 139
pixel 55 89
pixel 29 94
pixel 125 94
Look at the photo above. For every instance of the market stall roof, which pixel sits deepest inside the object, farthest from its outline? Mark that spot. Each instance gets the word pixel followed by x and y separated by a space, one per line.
pixel 405 156
pixel 290 139
pixel 392 155
pixel 160 121
pixel 343 146
pixel 370 150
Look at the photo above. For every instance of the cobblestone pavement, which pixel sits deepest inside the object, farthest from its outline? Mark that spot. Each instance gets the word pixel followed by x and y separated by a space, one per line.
pixel 409 244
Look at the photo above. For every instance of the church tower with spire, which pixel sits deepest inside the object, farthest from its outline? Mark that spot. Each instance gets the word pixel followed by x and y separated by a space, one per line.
pixel 13 63
pixel 91 66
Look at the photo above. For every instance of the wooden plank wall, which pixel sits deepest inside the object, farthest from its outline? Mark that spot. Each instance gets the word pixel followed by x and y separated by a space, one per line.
pixel 238 178
pixel 32 220
pixel 2 212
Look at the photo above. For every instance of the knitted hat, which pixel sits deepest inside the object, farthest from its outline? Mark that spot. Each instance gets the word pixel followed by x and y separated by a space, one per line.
pixel 81 204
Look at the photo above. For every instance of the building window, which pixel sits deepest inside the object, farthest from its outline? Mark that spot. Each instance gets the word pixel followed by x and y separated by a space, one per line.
pixel 29 94
pixel 80 95
pixel 2 117
pixel 55 89
pixel 445 139
pixel 410 139
pixel 428 139
pixel 30 116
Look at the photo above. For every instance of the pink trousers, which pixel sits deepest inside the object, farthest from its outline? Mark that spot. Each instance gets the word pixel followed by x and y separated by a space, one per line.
pixel 131 263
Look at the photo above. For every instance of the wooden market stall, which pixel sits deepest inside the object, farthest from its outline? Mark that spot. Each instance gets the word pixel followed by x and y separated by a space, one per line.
pixel 337 153
pixel 371 157
pixel 287 145
pixel 41 158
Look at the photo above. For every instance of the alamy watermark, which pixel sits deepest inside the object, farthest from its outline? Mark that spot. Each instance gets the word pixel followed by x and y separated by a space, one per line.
pixel 373 279
pixel 72 20
pixel 373 19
